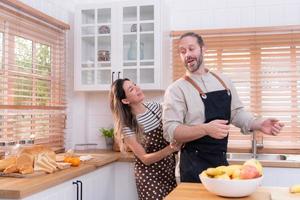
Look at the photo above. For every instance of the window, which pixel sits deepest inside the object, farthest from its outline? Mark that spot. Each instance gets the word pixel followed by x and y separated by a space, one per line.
pixel 264 64
pixel 32 79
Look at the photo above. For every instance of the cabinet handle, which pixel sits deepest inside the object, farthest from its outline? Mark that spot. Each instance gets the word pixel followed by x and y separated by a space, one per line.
pixel 119 74
pixel 77 189
pixel 112 77
pixel 78 181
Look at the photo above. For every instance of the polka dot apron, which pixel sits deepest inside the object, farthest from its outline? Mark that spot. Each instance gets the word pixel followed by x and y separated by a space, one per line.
pixel 157 180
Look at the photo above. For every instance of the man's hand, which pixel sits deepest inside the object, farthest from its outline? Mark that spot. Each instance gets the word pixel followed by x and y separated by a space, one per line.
pixel 217 129
pixel 270 126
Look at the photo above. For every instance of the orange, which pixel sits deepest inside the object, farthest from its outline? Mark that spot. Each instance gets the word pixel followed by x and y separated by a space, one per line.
pixel 75 162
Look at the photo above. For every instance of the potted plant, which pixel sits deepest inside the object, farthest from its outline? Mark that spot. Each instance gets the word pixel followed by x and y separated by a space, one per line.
pixel 108 134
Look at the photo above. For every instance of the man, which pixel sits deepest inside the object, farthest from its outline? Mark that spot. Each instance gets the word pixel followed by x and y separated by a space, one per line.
pixel 198 109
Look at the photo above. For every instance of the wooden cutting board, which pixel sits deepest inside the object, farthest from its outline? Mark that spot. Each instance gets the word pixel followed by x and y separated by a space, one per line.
pixel 18 175
pixel 194 191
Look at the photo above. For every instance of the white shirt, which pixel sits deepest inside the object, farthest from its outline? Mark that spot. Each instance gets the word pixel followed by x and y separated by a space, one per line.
pixel 183 104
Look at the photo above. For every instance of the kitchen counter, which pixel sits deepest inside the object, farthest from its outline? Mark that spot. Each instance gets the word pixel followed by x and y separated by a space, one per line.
pixel 16 188
pixel 194 191
pixel 22 187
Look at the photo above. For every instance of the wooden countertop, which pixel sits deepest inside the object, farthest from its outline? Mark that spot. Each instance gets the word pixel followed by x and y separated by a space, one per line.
pixel 22 187
pixel 15 188
pixel 195 191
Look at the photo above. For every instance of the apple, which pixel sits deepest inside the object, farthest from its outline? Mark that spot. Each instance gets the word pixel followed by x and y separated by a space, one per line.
pixel 255 163
pixel 249 172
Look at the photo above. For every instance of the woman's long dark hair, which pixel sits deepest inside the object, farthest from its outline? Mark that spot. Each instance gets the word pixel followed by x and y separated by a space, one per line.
pixel 123 116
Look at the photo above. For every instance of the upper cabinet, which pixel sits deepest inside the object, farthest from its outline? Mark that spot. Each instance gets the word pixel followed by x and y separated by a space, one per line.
pixel 121 40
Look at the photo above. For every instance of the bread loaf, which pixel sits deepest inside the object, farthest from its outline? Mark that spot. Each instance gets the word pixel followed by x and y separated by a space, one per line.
pixel 11 169
pixel 37 149
pixel 7 162
pixel 28 158
pixel 26 169
pixel 44 163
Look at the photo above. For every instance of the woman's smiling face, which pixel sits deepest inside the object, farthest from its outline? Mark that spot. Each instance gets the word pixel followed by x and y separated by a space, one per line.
pixel 133 93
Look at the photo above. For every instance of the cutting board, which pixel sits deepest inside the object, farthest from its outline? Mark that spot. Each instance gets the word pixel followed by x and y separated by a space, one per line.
pixel 18 175
pixel 192 191
pixel 259 195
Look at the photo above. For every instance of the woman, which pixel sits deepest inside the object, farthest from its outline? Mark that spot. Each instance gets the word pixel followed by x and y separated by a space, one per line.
pixel 138 126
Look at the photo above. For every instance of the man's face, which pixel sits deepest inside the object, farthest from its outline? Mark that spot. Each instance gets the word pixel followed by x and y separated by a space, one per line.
pixel 190 53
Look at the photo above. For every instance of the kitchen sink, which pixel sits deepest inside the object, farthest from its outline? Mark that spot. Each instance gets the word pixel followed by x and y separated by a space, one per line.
pixel 246 156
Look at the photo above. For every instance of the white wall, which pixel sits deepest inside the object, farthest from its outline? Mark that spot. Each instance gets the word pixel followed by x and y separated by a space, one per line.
pixel 89 111
pixel 196 14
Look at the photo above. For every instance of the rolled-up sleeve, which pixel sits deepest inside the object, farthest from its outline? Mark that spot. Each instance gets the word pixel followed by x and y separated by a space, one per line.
pixel 174 110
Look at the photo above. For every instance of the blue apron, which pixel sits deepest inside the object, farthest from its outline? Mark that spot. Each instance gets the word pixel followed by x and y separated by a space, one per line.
pixel 205 152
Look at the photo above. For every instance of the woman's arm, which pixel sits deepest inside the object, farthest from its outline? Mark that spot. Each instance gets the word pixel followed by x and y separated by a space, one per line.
pixel 149 158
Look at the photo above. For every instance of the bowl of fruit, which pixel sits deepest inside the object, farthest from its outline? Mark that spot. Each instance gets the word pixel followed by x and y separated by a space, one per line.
pixel 233 180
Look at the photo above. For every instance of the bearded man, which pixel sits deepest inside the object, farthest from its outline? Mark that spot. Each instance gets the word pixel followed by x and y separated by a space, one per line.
pixel 198 110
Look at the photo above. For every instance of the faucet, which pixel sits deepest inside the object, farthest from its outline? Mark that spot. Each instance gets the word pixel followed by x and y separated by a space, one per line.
pixel 256 145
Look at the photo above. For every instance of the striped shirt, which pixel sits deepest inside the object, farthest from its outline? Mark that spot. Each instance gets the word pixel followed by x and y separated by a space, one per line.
pixel 148 120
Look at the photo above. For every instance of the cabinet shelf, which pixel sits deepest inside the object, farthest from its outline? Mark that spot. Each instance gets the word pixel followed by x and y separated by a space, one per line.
pixel 119 40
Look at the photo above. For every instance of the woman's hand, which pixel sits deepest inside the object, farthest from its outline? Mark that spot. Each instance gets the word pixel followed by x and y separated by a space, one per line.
pixel 175 146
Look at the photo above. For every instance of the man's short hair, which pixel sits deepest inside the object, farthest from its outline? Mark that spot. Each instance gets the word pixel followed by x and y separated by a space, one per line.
pixel 195 35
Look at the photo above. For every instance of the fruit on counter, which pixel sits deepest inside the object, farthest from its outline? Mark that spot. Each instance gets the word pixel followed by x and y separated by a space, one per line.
pixel 223 176
pixel 75 161
pixel 256 164
pixel 214 171
pixel 249 170
pixel 295 188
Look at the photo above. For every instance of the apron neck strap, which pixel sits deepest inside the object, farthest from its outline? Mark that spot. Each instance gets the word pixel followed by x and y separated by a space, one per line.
pixel 187 78
pixel 220 80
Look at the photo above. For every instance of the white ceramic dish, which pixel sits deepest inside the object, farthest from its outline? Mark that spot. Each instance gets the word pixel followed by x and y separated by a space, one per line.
pixel 231 188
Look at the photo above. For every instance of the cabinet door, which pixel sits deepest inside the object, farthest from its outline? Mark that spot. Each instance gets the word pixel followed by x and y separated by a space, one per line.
pixel 94 56
pixel 64 191
pixel 125 187
pixel 99 184
pixel 138 44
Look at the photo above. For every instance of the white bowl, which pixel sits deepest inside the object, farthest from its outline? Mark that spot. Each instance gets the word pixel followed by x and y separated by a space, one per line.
pixel 231 188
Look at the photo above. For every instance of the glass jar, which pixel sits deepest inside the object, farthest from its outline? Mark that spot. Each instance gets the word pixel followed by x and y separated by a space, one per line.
pixel 12 148
pixel 2 150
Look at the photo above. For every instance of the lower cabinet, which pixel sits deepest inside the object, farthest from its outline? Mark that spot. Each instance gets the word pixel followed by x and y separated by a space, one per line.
pixel 125 188
pixel 110 182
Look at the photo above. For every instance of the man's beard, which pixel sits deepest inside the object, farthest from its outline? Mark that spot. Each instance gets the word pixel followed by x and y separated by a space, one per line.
pixel 196 66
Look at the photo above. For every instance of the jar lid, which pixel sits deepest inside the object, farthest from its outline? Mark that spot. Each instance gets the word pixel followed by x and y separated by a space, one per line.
pixel 30 141
pixel 11 143
pixel 22 141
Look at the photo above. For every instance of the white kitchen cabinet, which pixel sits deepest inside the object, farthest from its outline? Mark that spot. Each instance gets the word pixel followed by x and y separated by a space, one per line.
pixel 121 40
pixel 98 184
pixel 110 182
pixel 125 187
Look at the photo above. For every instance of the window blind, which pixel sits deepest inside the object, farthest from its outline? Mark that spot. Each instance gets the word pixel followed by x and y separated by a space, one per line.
pixel 32 79
pixel 264 65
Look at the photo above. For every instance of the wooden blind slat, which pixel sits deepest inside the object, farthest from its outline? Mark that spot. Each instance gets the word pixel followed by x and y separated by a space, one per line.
pixel 32 79
pixel 264 64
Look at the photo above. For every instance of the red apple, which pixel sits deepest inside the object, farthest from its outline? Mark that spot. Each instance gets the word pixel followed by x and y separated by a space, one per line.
pixel 256 164
pixel 249 172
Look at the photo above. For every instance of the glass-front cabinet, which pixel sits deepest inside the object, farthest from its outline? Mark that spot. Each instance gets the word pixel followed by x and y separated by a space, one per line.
pixel 118 40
